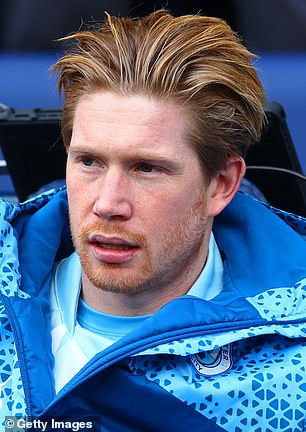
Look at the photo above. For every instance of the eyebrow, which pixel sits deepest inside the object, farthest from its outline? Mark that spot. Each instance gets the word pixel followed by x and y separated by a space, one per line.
pixel 138 156
pixel 156 158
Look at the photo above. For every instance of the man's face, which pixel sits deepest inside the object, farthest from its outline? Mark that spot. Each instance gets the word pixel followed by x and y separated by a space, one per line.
pixel 137 196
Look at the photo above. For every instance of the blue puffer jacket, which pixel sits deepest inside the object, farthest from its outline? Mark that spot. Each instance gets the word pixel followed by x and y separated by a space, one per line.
pixel 170 374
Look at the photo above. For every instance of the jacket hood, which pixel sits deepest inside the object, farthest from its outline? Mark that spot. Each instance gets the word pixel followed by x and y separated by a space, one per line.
pixel 266 252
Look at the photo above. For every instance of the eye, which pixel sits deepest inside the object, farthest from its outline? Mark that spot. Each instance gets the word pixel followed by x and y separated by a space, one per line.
pixel 88 161
pixel 146 167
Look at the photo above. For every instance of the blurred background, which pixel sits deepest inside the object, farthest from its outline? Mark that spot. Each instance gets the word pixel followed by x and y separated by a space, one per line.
pixel 273 29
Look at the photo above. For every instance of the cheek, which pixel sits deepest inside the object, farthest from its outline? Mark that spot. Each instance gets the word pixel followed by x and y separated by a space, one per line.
pixel 78 205
pixel 166 214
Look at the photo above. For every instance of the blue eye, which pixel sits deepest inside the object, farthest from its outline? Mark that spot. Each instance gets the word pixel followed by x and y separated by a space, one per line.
pixel 146 167
pixel 88 161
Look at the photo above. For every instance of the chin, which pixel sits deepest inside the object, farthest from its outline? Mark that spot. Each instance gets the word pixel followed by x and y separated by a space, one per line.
pixel 118 279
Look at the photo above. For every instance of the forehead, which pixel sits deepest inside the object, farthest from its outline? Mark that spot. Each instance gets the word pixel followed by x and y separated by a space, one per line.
pixel 108 102
pixel 124 119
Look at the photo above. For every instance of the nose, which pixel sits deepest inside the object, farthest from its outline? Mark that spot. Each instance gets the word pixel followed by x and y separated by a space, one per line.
pixel 113 199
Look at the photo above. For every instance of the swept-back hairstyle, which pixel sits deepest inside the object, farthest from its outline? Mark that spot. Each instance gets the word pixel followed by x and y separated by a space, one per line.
pixel 195 61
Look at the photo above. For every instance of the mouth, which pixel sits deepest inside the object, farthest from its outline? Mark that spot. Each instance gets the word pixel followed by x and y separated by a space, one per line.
pixel 114 246
pixel 113 250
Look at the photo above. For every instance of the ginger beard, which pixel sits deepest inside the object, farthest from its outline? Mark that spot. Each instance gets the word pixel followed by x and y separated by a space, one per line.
pixel 162 260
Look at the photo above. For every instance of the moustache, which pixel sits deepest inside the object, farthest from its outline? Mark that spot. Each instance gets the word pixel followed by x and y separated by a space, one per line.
pixel 112 229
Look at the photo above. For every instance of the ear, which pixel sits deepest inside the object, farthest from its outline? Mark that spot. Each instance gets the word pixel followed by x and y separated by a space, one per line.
pixel 224 185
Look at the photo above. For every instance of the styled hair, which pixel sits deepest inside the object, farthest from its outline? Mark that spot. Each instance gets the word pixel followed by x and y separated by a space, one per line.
pixel 196 61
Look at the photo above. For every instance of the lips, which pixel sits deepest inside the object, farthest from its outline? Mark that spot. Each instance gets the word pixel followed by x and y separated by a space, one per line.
pixel 113 250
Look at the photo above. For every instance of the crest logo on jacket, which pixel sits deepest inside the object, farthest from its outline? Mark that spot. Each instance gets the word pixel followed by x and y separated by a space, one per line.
pixel 213 362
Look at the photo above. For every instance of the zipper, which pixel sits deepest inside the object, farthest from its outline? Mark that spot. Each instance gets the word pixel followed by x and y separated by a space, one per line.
pixel 19 352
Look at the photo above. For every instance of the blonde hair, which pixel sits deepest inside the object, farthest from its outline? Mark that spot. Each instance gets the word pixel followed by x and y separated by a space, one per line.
pixel 196 61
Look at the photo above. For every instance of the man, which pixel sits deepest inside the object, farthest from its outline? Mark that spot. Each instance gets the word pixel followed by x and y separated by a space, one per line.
pixel 181 303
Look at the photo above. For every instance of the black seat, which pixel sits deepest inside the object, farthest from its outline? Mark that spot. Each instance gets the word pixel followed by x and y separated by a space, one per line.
pixel 273 164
